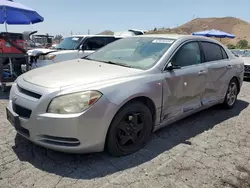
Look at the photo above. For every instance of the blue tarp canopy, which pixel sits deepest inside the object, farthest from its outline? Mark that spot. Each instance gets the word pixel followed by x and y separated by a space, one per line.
pixel 13 13
pixel 214 33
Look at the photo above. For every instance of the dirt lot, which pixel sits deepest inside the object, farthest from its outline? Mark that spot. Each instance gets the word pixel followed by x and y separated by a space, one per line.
pixel 209 149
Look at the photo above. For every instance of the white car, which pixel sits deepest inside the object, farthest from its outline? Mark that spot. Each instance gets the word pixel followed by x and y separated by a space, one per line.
pixel 246 58
pixel 72 47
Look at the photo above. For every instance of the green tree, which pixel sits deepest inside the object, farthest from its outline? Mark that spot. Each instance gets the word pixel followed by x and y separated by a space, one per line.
pixel 242 43
pixel 231 46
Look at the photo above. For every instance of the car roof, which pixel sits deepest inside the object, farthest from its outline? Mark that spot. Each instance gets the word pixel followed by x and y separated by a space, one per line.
pixel 172 36
pixel 179 36
pixel 91 36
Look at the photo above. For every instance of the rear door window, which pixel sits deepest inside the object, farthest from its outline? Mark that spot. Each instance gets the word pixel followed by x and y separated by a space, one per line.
pixel 224 54
pixel 213 52
pixel 111 39
pixel 94 43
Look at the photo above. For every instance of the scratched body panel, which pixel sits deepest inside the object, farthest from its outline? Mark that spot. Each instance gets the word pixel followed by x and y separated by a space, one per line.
pixel 218 78
pixel 182 91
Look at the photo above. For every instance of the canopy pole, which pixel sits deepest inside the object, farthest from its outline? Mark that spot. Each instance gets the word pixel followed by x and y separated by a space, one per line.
pixel 5 18
pixel 6 27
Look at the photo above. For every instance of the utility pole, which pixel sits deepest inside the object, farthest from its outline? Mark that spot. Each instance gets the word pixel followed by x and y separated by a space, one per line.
pixel 71 33
pixel 88 31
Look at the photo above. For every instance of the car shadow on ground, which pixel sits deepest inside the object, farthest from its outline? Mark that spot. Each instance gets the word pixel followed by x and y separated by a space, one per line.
pixel 97 165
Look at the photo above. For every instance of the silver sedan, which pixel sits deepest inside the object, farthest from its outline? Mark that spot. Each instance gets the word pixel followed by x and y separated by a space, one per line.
pixel 116 97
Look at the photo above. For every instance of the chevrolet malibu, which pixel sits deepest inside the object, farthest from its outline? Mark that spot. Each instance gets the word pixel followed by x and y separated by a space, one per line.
pixel 116 97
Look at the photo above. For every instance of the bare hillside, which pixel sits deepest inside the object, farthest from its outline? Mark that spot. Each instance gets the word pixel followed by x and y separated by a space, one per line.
pixel 236 26
pixel 107 32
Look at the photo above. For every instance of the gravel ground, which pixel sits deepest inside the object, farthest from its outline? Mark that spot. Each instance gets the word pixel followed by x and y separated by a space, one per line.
pixel 208 149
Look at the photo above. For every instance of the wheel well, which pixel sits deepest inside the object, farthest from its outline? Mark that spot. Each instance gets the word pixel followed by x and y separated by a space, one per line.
pixel 237 82
pixel 144 100
pixel 147 102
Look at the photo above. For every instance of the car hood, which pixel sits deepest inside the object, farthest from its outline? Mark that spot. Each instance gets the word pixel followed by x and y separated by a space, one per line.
pixel 38 51
pixel 246 60
pixel 76 72
pixel 44 51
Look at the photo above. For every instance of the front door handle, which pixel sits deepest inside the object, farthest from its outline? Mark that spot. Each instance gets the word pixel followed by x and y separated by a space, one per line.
pixel 201 72
pixel 229 66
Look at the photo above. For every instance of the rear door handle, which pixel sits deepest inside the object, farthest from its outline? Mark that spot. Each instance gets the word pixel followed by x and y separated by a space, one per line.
pixel 201 72
pixel 229 66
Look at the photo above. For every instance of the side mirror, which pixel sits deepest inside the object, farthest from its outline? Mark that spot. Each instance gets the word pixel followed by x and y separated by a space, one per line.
pixel 171 67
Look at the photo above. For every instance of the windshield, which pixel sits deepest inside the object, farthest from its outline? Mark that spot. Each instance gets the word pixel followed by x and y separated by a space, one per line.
pixel 135 52
pixel 69 43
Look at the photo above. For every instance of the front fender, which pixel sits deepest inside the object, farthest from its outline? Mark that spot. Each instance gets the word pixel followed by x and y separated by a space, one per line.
pixel 122 93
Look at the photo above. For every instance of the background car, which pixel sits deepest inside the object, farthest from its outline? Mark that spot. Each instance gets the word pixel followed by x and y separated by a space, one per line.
pixel 117 96
pixel 246 58
pixel 72 47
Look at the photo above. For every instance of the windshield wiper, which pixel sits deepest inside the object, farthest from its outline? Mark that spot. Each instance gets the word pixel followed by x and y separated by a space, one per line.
pixel 60 49
pixel 87 58
pixel 114 63
pixel 109 62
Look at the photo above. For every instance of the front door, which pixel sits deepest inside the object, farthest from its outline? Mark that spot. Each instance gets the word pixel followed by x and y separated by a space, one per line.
pixel 91 45
pixel 183 88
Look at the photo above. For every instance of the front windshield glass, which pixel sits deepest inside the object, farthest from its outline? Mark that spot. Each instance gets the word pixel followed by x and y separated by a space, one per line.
pixel 135 52
pixel 69 43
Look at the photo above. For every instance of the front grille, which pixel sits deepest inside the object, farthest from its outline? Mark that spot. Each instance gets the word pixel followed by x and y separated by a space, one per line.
pixel 29 93
pixel 21 111
pixel 247 68
pixel 60 141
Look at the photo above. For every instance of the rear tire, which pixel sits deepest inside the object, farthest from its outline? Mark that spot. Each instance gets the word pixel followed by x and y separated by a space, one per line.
pixel 231 95
pixel 130 130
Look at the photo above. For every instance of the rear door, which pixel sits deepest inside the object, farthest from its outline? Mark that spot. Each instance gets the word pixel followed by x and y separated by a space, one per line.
pixel 219 71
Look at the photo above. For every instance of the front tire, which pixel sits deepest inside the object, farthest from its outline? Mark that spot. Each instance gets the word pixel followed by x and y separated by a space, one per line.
pixel 130 130
pixel 231 95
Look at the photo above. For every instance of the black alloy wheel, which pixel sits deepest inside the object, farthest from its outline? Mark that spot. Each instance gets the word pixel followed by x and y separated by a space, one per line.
pixel 129 130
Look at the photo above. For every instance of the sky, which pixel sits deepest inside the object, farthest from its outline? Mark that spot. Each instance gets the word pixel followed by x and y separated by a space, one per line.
pixel 77 16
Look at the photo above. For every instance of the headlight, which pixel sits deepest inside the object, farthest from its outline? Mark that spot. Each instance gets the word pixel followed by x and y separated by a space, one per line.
pixel 47 57
pixel 74 102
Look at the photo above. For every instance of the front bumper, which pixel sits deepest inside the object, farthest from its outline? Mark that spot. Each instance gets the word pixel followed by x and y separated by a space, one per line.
pixel 246 74
pixel 74 133
pixel 246 71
